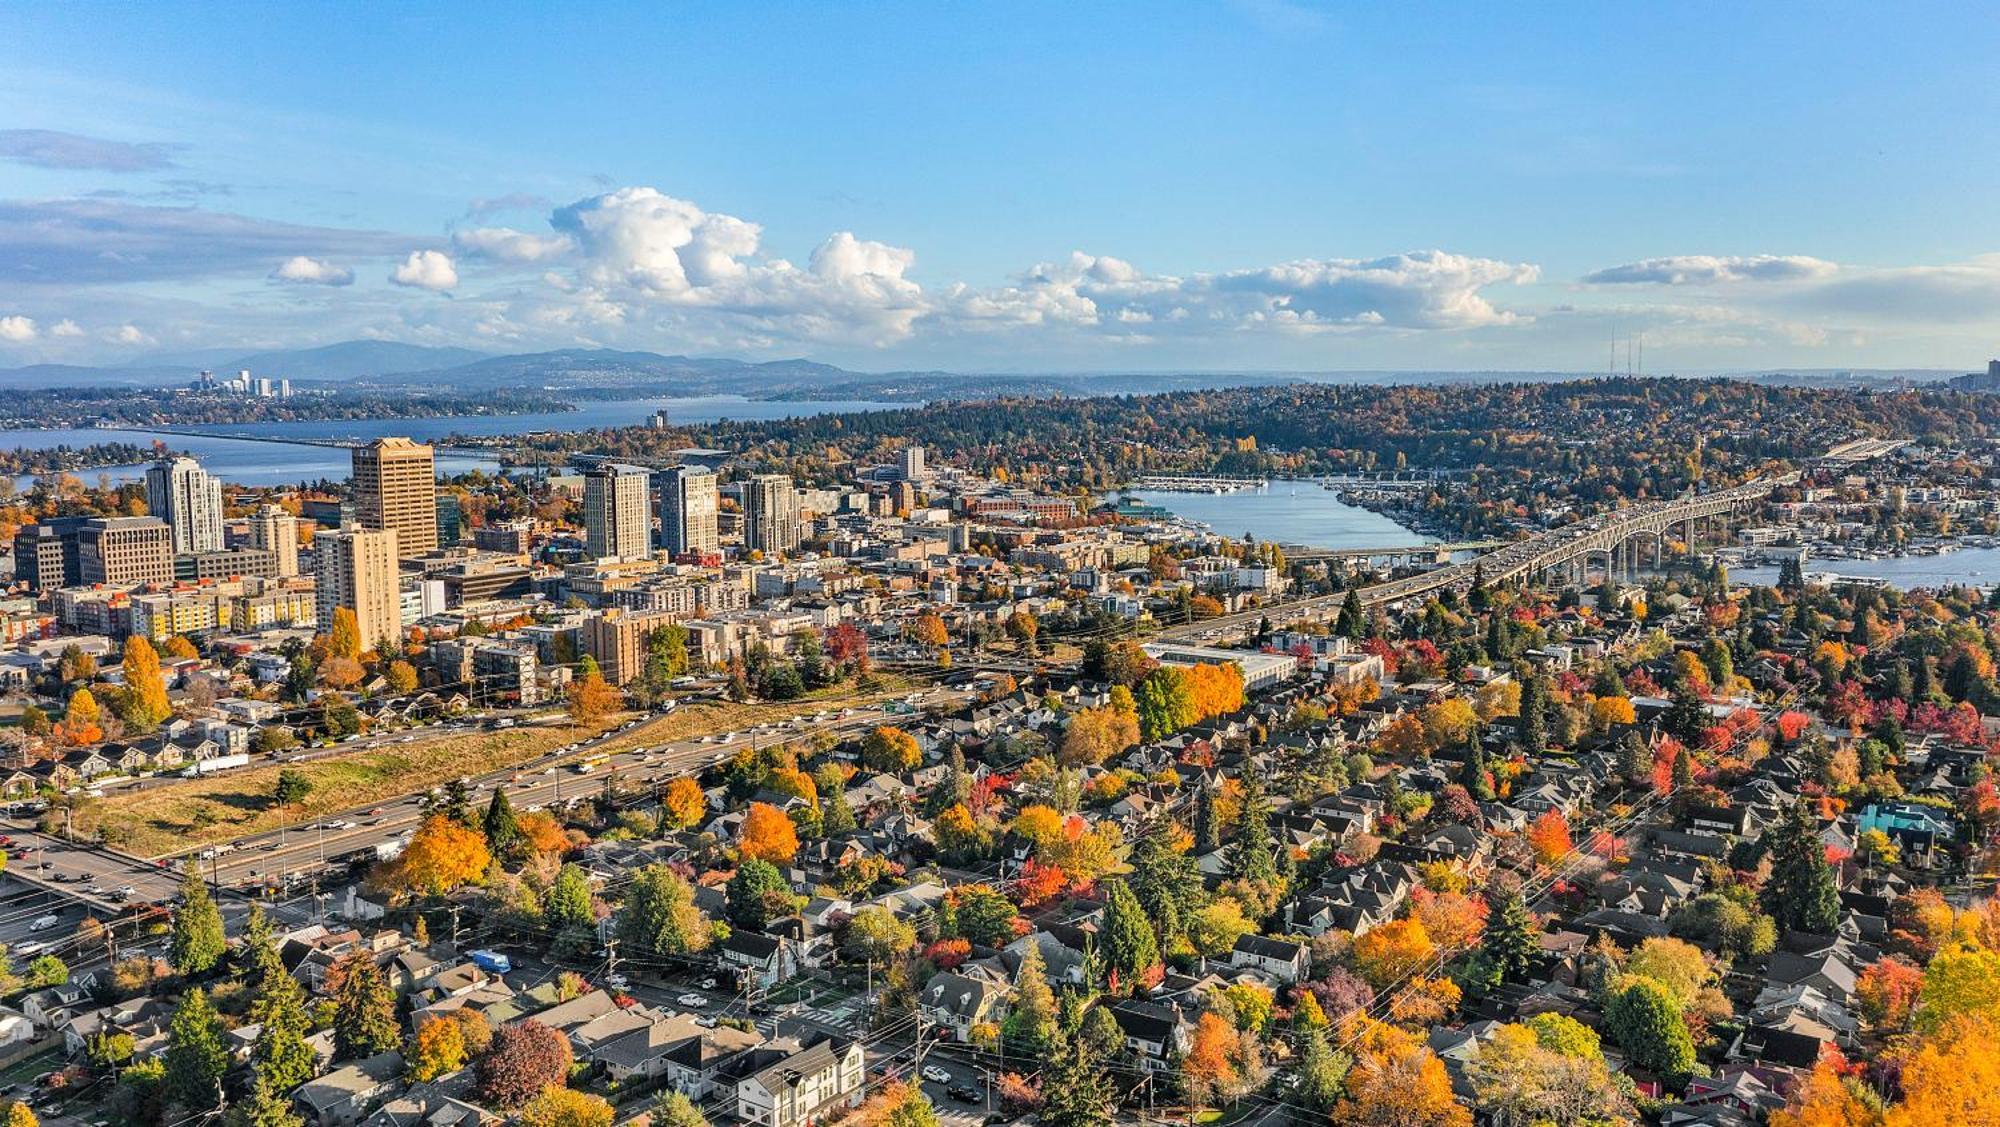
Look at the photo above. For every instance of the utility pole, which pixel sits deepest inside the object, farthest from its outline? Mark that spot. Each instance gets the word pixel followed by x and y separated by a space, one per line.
pixel 610 957
pixel 454 928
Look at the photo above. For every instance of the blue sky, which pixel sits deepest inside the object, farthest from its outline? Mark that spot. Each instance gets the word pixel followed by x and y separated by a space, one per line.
pixel 1104 186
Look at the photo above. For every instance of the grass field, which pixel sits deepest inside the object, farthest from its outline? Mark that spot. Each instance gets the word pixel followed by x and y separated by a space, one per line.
pixel 187 814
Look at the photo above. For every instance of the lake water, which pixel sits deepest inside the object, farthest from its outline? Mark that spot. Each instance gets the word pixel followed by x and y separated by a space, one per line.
pixel 1979 567
pixel 1288 512
pixel 243 462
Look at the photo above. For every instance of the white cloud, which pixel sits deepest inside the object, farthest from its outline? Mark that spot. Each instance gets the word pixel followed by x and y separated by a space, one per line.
pixel 641 239
pixel 426 269
pixel 128 335
pixel 1711 270
pixel 17 329
pixel 508 245
pixel 306 271
pixel 66 328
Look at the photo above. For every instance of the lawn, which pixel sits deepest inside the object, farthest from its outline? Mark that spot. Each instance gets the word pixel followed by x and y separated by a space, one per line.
pixel 184 815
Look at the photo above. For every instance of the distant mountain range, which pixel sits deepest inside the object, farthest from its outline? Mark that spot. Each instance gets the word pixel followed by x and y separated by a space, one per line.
pixel 607 374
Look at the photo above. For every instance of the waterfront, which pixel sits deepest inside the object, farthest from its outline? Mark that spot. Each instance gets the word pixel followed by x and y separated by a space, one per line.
pixel 276 462
pixel 1288 512
pixel 1979 567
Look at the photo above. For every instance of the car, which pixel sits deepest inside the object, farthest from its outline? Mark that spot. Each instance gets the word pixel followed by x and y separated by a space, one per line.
pixel 708 984
pixel 963 1093
pixel 691 1000
pixel 936 1075
pixel 706 1021
pixel 29 949
pixel 45 923
pixel 617 981
pixel 128 892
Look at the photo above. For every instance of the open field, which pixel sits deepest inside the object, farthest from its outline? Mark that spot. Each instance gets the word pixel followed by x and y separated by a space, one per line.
pixel 187 814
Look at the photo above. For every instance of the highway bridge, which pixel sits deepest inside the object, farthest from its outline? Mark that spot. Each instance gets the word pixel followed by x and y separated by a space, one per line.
pixel 1431 553
pixel 1572 546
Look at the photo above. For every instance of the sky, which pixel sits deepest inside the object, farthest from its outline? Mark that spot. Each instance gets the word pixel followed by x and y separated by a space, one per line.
pixel 1257 185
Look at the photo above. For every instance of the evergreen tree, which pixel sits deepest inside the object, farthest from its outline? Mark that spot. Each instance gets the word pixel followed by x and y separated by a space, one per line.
pixel 1322 1071
pixel 1510 943
pixel 503 832
pixel 836 816
pixel 753 892
pixel 1031 1025
pixel 1534 718
pixel 1349 624
pixel 1686 717
pixel 265 1107
pixel 364 1009
pixel 1166 881
pixel 1207 835
pixel 1251 852
pixel 259 958
pixel 1923 686
pixel 1130 947
pixel 1476 777
pixel 197 943
pixel 1635 759
pixel 1801 892
pixel 280 1054
pixel 1076 1087
pixel 196 1057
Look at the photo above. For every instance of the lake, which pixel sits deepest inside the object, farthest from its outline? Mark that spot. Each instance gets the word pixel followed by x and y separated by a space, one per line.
pixel 243 462
pixel 1288 512
pixel 1979 567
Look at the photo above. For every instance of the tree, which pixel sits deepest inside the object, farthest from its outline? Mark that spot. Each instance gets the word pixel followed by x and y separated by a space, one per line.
pixel 684 802
pixel 46 970
pixel 767 835
pixel 1076 1090
pixel 437 1049
pixel 1829 1097
pixel 82 721
pixel 525 1058
pixel 673 1109
pixel 442 855
pixel 1510 944
pixel 757 894
pixel 1253 854
pixel 145 688
pixel 659 915
pixel 1549 837
pixel 293 787
pixel 875 934
pixel 1385 955
pixel 1953 1077
pixel 1130 948
pixel 1519 1079
pixel 401 678
pixel 364 1008
pixel 196 1057
pixel 1214 928
pixel 267 1106
pixel 591 697
pixel 343 637
pixel 1395 1082
pixel 1886 993
pixel 891 750
pixel 1094 735
pixel 281 1054
pixel 1960 981
pixel 1645 1021
pixel 565 1107
pixel 197 943
pixel 502 829
pixel 1801 893
pixel 929 630
pixel 1166 880
pixel 1030 1028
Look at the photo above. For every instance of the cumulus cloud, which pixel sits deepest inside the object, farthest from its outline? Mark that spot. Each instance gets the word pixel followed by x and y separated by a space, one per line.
pixel 505 244
pixel 1712 270
pixel 66 329
pixel 303 270
pixel 128 335
pixel 100 240
pixel 648 241
pixel 426 269
pixel 17 329
pixel 48 148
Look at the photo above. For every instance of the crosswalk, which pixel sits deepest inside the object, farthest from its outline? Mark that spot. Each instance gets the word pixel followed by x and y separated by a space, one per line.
pixel 849 1015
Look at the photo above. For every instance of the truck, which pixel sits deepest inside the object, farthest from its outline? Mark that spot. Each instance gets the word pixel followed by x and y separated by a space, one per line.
pixel 215 763
pixel 492 962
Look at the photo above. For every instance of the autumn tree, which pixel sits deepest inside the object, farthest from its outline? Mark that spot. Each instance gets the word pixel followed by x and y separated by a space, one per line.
pixel 145 688
pixel 683 802
pixel 442 855
pixel 591 697
pixel 1829 1096
pixel 1387 954
pixel 767 835
pixel 891 749
pixel 1549 837
pixel 437 1049
pixel 1094 735
pixel 1395 1082
pixel 1886 993
pixel 525 1058
pixel 557 1106
pixel 343 636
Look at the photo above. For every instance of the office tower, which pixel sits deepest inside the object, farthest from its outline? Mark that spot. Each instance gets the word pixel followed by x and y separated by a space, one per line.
pixel 356 568
pixel 276 531
pixel 910 463
pixel 183 494
pixel 617 522
pixel 125 551
pixel 688 505
pixel 45 554
pixel 395 487
pixel 450 519
pixel 770 514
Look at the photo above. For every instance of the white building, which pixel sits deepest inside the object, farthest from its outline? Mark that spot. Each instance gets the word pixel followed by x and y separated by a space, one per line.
pixel 183 494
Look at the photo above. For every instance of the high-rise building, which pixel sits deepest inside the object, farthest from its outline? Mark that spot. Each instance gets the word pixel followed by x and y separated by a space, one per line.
pixel 617 522
pixel 616 640
pixel 770 514
pixel 688 506
pixel 450 519
pixel 124 551
pixel 356 568
pixel 184 495
pixel 910 463
pixel 276 531
pixel 395 487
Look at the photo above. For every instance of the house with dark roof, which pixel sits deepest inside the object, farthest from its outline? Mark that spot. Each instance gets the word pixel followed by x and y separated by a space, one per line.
pixel 1283 960
pixel 792 1087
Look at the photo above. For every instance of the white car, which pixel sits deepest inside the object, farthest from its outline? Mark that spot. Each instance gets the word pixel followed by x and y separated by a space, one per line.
pixel 617 981
pixel 936 1075
pixel 45 923
pixel 692 1000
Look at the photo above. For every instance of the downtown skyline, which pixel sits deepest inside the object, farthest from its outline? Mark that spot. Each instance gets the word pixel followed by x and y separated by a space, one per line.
pixel 1226 187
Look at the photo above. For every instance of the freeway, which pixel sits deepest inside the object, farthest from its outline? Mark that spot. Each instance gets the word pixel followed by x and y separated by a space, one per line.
pixel 103 878
pixel 1514 559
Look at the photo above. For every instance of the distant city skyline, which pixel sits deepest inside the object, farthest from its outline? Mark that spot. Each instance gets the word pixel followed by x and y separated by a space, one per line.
pixel 1259 185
